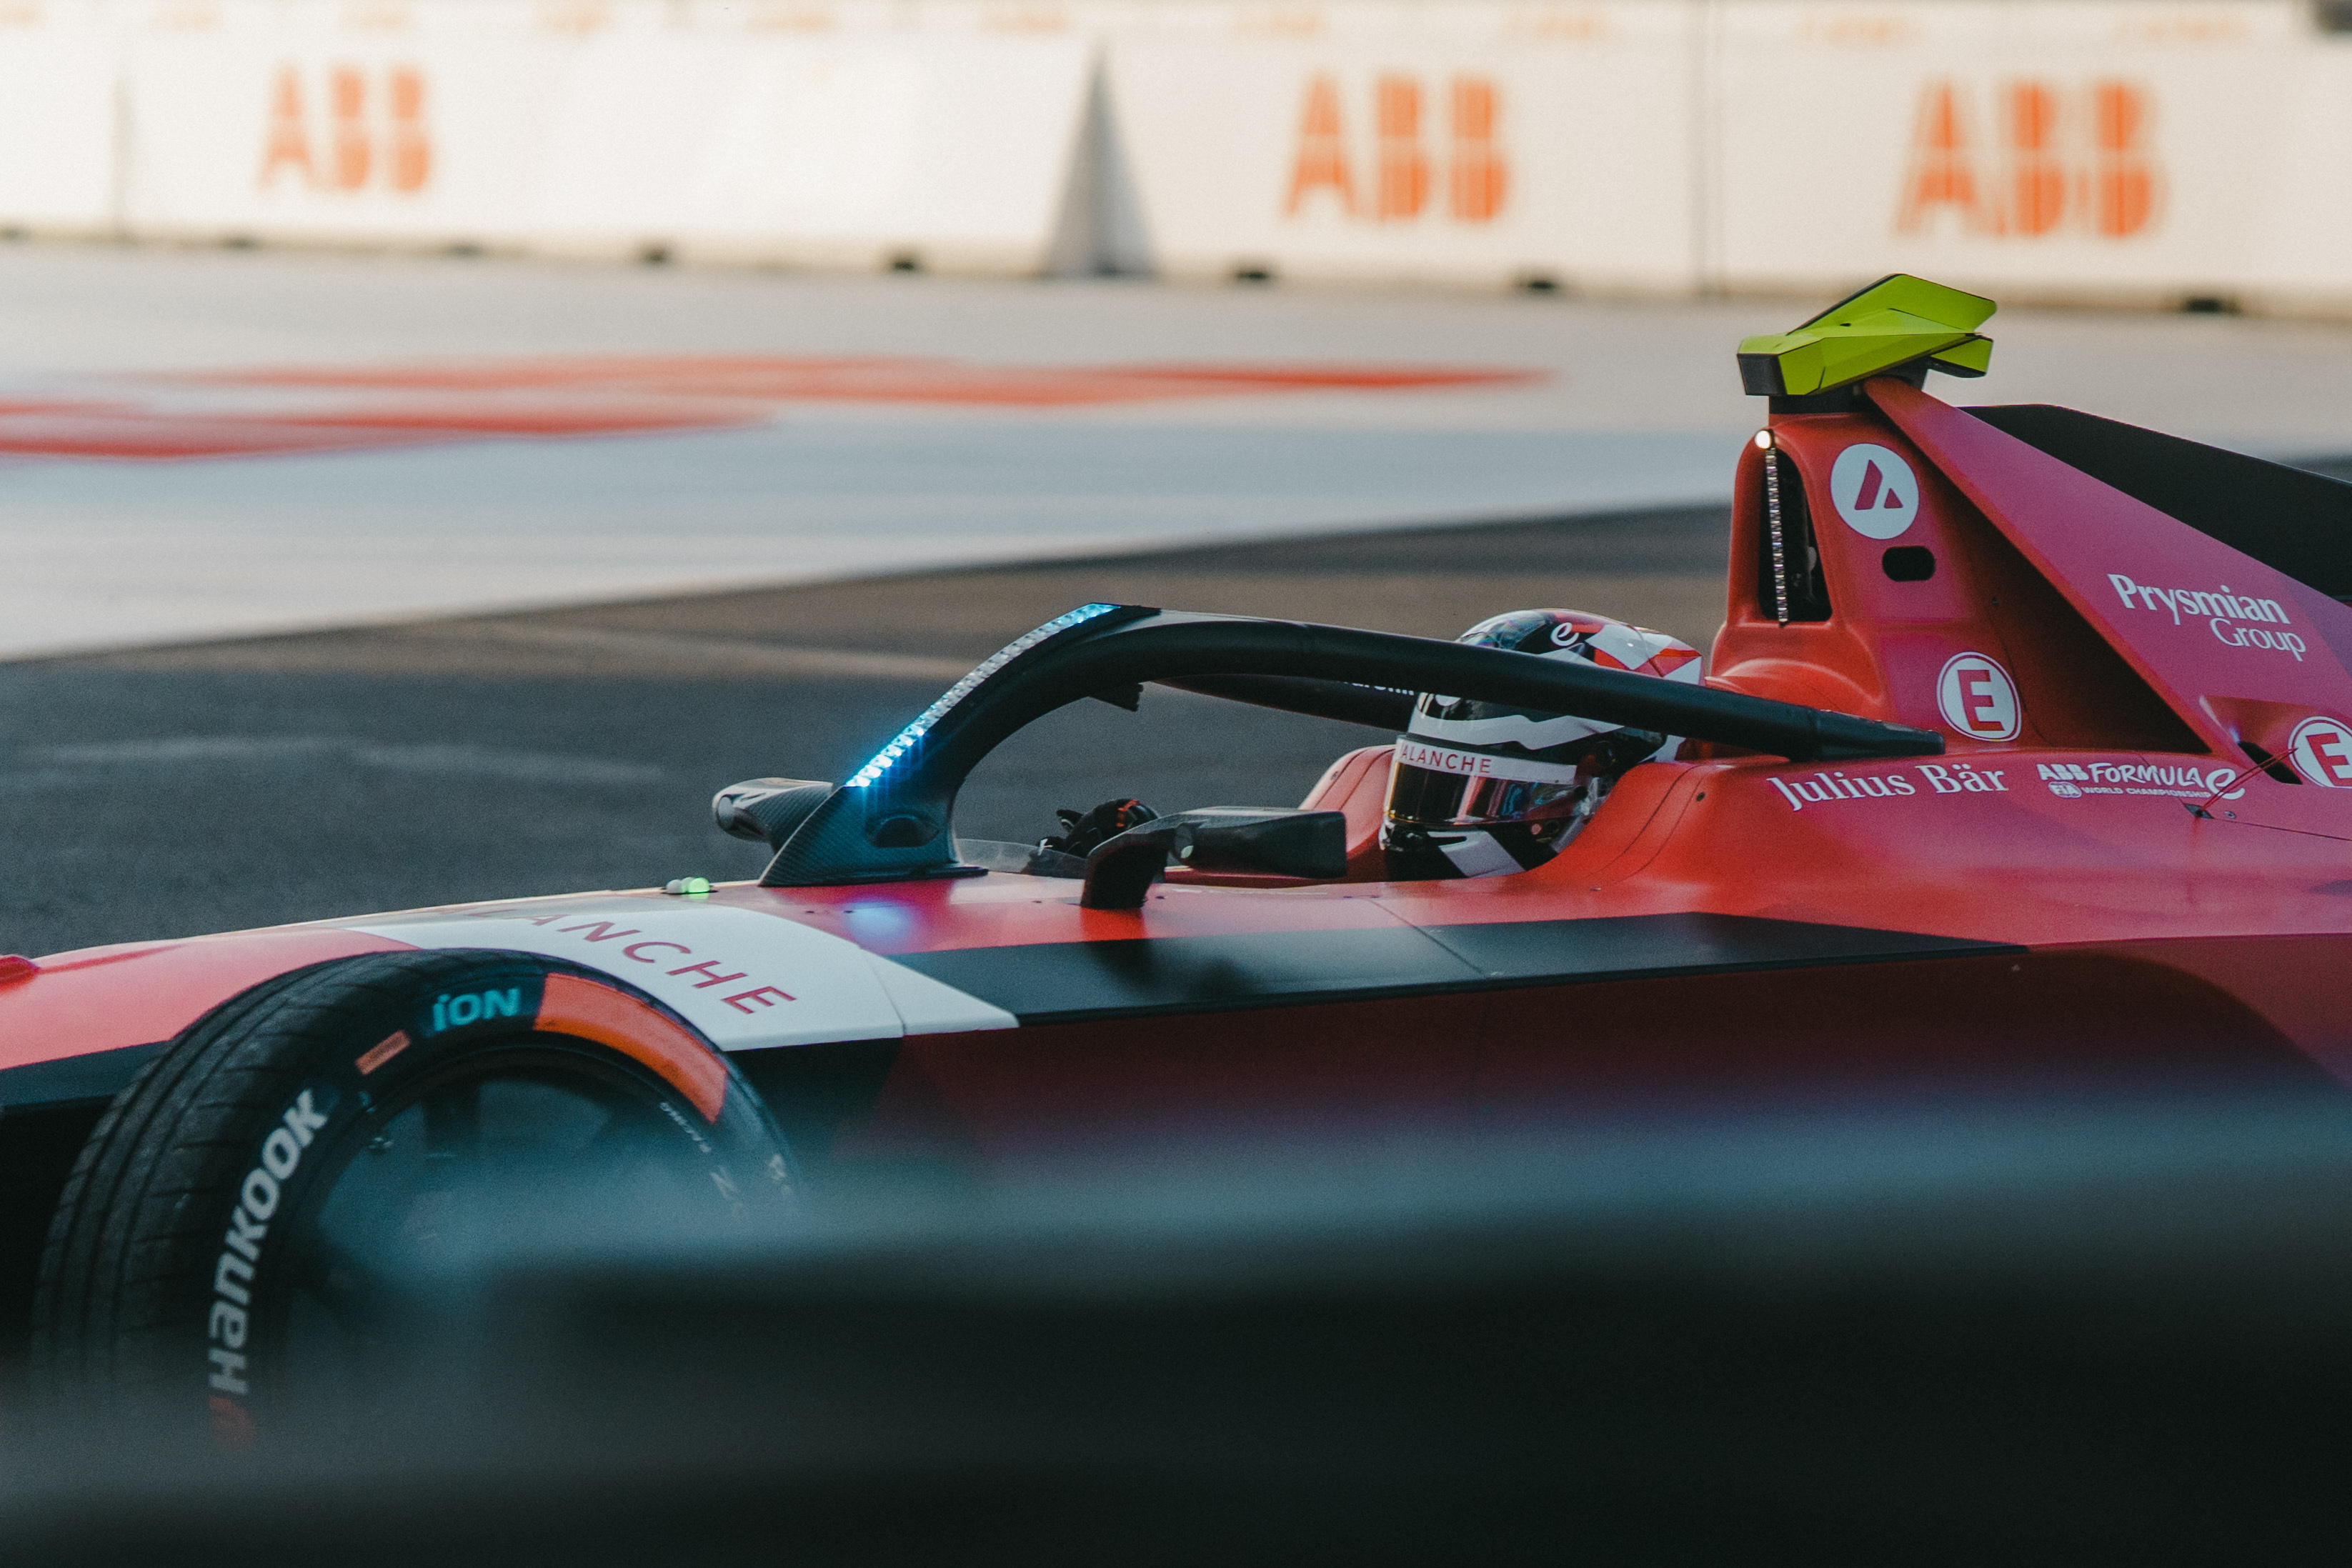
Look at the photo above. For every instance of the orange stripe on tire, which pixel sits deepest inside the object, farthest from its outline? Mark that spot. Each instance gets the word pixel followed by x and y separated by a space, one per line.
pixel 570 1005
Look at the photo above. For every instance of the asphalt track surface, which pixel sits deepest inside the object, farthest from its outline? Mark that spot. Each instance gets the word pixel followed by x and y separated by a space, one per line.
pixel 220 786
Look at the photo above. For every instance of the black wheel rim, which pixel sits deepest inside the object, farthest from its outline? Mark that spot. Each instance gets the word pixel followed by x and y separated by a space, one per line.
pixel 531 1150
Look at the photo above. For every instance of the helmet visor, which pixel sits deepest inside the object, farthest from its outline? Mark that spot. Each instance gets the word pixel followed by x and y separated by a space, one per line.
pixel 1438 786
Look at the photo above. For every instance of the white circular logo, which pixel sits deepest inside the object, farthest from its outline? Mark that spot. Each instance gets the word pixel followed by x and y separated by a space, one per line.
pixel 1978 698
pixel 2321 751
pixel 1876 491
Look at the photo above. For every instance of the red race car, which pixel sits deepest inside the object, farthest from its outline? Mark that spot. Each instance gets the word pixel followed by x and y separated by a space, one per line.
pixel 2017 765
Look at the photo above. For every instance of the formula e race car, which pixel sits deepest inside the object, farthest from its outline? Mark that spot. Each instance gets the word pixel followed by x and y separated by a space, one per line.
pixel 2019 762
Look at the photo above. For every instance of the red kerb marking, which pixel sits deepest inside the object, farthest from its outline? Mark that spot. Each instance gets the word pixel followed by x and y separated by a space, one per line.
pixel 872 380
pixel 602 396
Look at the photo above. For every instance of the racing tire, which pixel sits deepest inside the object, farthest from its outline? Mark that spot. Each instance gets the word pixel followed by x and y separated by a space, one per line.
pixel 259 1215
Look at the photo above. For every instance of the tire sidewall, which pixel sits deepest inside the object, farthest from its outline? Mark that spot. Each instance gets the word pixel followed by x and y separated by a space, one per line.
pixel 375 1036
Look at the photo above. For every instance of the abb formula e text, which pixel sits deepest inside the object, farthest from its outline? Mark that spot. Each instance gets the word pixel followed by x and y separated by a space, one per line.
pixel 2022 759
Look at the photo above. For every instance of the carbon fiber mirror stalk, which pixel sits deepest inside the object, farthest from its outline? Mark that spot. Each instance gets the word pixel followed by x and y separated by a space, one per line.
pixel 1253 841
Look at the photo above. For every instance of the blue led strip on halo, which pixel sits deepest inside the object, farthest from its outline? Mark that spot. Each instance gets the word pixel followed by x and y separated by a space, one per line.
pixel 904 741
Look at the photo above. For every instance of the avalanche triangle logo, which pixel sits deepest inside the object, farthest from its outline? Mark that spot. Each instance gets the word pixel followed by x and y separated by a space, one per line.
pixel 1874 489
pixel 1867 496
pixel 1876 492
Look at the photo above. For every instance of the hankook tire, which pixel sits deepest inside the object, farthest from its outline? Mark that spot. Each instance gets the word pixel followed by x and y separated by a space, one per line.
pixel 251 1220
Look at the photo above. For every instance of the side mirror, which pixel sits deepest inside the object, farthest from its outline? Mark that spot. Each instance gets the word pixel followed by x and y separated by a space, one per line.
pixel 1268 843
pixel 766 810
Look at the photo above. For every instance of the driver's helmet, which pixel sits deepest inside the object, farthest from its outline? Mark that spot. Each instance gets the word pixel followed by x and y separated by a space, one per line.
pixel 1480 789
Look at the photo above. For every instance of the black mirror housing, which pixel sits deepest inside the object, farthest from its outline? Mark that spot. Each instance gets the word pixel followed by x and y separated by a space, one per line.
pixel 766 810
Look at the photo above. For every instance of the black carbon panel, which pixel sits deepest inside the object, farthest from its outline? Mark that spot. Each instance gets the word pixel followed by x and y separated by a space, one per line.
pixel 1066 982
pixel 99 1076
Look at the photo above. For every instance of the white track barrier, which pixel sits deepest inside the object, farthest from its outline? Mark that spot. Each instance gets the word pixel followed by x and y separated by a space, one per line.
pixel 421 125
pixel 2122 150
pixel 2142 153
pixel 951 152
pixel 2125 152
pixel 1464 143
pixel 601 129
pixel 60 110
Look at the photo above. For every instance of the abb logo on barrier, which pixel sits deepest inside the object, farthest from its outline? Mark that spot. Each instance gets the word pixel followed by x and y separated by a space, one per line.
pixel 373 130
pixel 2058 160
pixel 1401 179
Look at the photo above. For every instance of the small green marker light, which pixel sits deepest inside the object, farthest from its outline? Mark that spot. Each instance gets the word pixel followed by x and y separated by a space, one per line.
pixel 689 887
